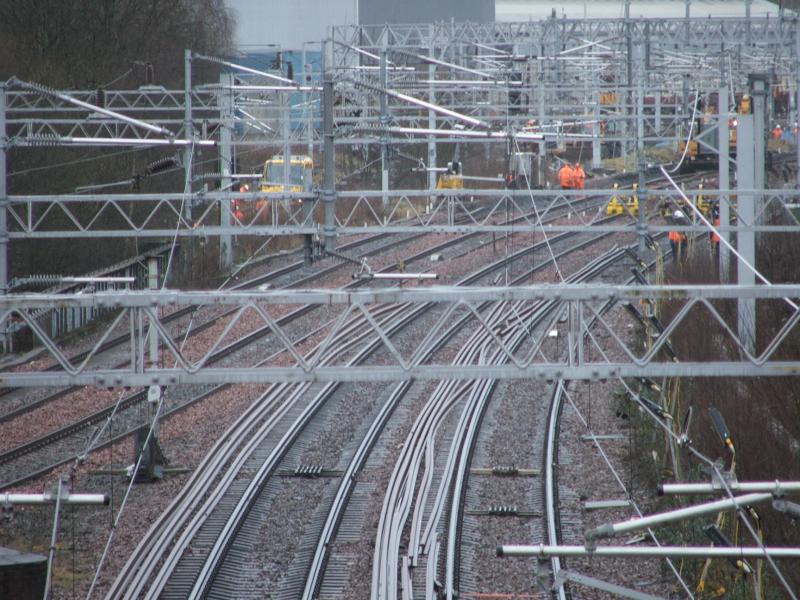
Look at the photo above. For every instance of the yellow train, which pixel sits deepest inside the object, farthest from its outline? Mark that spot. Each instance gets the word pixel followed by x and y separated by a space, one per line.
pixel 301 172
pixel 452 179
pixel 705 154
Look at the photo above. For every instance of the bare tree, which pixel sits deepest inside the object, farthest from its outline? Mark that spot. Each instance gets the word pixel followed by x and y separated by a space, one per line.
pixel 89 43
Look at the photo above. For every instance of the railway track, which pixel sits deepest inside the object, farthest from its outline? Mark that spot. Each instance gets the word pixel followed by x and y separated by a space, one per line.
pixel 434 528
pixel 134 400
pixel 207 583
pixel 34 465
pixel 26 406
pixel 204 584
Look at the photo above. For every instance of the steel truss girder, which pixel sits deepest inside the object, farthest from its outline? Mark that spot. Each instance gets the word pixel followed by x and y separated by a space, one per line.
pixel 586 359
pixel 154 99
pixel 709 34
pixel 405 211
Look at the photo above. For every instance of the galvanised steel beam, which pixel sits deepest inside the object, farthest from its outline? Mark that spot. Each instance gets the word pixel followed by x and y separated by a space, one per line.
pixel 712 33
pixel 146 100
pixel 108 378
pixel 358 212
pixel 591 292
pixel 187 232
pixel 740 552
pixel 540 359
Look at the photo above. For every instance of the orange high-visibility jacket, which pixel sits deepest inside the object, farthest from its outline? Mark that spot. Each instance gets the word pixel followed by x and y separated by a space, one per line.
pixel 566 177
pixel 677 237
pixel 714 236
pixel 580 177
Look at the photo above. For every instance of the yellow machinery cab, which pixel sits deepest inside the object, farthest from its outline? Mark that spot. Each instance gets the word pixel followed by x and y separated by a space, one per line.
pixel 704 205
pixel 695 153
pixel 451 179
pixel 301 177
pixel 614 206
pixel 301 171
pixel 618 205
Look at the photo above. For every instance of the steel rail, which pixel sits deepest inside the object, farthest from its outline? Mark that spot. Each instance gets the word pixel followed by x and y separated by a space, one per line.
pixel 182 312
pixel 313 581
pixel 214 461
pixel 552 514
pixel 549 486
pixel 220 354
pixel 138 397
pixel 538 314
pixel 224 539
pixel 159 537
pixel 462 445
pixel 385 560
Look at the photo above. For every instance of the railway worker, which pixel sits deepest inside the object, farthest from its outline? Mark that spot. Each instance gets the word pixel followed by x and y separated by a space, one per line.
pixel 714 236
pixel 511 181
pixel 777 132
pixel 237 204
pixel 580 176
pixel 566 177
pixel 677 239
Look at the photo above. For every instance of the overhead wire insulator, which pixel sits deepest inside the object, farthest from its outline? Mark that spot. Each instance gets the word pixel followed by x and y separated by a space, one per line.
pixel 36 87
pixel 721 428
pixel 683 439
pixel 649 383
pixel 44 139
pixel 212 175
pixel 36 279
pixel 100 97
pixel 720 539
pixel 651 406
pixel 161 164
pixel 148 74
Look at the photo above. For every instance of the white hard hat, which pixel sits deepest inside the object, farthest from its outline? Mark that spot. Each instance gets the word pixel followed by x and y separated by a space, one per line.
pixel 678 215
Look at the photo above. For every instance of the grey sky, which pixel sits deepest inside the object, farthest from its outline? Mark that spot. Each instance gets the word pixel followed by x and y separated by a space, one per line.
pixel 289 23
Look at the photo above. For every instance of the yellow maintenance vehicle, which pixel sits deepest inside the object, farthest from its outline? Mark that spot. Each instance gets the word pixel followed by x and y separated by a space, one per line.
pixel 301 170
pixel 632 203
pixel 703 205
pixel 452 178
pixel 705 154
pixel 614 206
pixel 617 205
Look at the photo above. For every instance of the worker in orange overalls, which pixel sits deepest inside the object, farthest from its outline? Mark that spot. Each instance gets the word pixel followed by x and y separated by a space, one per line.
pixel 580 176
pixel 238 203
pixel 777 132
pixel 714 236
pixel 677 239
pixel 566 177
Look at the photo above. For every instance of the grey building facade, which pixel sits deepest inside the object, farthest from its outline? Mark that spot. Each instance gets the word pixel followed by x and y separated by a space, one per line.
pixel 375 12
pixel 289 25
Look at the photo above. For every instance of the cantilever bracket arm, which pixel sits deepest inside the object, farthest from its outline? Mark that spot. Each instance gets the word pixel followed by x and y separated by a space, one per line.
pixel 46 91
pixel 612 529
